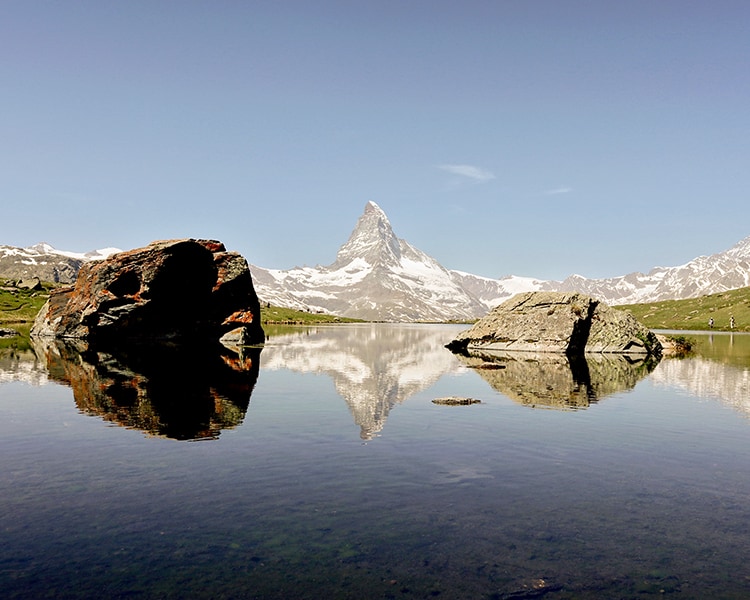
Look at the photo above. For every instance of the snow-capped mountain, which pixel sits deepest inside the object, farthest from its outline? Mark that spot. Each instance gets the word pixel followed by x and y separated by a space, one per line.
pixel 45 262
pixel 378 276
pixel 704 275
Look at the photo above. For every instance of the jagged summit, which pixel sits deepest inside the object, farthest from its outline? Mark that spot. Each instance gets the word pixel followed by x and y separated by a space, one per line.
pixel 376 276
pixel 372 240
pixel 43 248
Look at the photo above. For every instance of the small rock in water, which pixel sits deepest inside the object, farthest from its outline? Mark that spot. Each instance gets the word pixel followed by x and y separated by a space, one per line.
pixel 456 401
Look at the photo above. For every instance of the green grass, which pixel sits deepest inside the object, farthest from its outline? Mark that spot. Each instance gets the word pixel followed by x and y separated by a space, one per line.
pixel 289 316
pixel 20 306
pixel 694 313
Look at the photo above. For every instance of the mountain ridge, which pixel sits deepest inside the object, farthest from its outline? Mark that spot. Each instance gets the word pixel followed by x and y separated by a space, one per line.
pixel 45 262
pixel 377 276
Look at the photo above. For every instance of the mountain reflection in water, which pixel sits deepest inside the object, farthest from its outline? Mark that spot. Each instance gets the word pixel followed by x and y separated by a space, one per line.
pixel 555 380
pixel 185 393
pixel 373 367
pixel 194 393
pixel 720 369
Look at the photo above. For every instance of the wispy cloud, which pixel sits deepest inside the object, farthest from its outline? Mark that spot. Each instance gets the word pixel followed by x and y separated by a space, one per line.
pixel 563 189
pixel 470 171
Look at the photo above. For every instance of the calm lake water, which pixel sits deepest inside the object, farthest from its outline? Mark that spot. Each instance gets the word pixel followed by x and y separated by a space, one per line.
pixel 319 467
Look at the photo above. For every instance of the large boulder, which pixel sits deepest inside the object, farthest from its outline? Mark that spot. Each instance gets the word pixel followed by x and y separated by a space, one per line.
pixel 563 322
pixel 181 290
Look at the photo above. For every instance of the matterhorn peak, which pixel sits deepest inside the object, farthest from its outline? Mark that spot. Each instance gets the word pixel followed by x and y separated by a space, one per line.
pixel 373 239
pixel 371 207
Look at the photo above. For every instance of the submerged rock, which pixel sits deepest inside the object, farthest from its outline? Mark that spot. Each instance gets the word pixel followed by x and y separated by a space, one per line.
pixel 456 401
pixel 187 290
pixel 562 322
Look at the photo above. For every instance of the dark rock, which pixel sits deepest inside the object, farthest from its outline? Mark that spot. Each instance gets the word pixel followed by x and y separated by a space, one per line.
pixel 8 332
pixel 568 323
pixel 187 290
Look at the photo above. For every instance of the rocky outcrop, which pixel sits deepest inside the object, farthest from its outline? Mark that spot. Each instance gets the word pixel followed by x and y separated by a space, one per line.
pixel 568 323
pixel 182 290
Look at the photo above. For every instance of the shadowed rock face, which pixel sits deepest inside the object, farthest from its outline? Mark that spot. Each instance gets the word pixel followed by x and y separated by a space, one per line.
pixel 567 323
pixel 186 289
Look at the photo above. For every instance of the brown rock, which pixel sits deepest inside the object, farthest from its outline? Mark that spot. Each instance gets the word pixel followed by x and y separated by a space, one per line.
pixel 187 290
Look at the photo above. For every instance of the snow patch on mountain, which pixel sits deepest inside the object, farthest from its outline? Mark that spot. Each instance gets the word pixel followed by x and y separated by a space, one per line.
pixel 44 249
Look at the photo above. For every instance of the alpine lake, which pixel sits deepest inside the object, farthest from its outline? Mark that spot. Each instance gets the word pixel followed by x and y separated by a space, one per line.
pixel 320 467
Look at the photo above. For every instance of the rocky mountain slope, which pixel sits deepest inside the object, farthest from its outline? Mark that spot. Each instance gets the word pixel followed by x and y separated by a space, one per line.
pixel 45 262
pixel 704 275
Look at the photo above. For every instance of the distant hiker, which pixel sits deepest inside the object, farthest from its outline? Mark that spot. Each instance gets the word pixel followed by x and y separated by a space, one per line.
pixel 731 322
pixel 711 322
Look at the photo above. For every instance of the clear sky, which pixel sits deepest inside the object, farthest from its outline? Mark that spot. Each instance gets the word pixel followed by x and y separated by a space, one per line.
pixel 536 138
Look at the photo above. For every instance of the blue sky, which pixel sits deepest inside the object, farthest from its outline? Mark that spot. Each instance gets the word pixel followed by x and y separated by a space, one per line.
pixel 536 138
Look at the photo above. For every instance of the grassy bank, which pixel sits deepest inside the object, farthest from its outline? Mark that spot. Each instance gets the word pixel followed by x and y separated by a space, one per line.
pixel 289 316
pixel 694 313
pixel 19 306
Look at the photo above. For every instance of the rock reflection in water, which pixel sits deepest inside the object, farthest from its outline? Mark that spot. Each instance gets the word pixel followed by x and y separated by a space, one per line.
pixel 185 393
pixel 556 380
